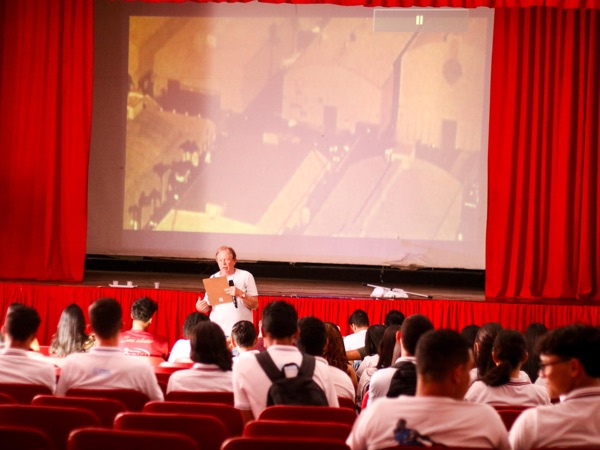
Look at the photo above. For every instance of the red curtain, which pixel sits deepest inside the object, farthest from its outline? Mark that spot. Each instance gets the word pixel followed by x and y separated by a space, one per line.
pixel 542 239
pixel 45 105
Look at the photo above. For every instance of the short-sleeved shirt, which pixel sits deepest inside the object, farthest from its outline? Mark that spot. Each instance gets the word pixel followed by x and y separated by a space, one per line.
pixel 201 377
pixel 16 366
pixel 143 343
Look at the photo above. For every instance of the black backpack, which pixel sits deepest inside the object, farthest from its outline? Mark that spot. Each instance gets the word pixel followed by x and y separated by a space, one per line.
pixel 404 381
pixel 298 390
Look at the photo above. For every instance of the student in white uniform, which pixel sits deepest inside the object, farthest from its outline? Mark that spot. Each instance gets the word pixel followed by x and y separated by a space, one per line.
pixel 212 362
pixel 437 413
pixel 242 288
pixel 502 384
pixel 570 365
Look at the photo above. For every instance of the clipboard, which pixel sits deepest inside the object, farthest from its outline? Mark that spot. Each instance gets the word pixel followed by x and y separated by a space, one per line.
pixel 215 290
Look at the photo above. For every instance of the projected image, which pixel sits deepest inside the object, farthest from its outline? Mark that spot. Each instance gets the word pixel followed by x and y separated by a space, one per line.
pixel 304 125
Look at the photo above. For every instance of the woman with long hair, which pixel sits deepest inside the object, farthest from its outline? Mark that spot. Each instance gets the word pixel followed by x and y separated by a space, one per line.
pixel 504 383
pixel 70 336
pixel 482 349
pixel 212 362
pixel 533 333
pixel 335 354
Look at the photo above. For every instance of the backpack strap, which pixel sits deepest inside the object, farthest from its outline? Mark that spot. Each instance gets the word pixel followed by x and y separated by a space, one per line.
pixel 268 366
pixel 307 368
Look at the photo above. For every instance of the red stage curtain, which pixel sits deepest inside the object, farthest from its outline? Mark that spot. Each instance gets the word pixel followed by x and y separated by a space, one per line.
pixel 543 216
pixel 45 104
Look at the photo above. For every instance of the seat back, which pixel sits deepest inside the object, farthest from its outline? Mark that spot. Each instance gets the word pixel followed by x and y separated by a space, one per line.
pixel 509 416
pixel 105 408
pixel 132 399
pixel 24 438
pixel 6 399
pixel 278 443
pixel 293 428
pixel 231 417
pixel 346 402
pixel 202 397
pixel 23 393
pixel 56 422
pixel 308 413
pixel 103 438
pixel 207 431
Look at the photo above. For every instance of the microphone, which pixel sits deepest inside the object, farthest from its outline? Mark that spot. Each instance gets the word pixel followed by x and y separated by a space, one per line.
pixel 234 299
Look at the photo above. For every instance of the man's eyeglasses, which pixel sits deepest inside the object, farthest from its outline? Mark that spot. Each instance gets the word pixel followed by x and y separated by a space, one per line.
pixel 543 366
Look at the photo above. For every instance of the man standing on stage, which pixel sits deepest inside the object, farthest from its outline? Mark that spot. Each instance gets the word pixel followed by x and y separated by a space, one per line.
pixel 241 286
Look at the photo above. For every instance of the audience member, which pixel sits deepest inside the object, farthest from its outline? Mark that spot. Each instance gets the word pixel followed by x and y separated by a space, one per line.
pixel 569 362
pixel 242 288
pixel 251 384
pixel 243 338
pixel 105 366
pixel 70 336
pixel 20 329
pixel 335 355
pixel 393 317
pixel 359 323
pixel 470 332
pixel 312 339
pixel 212 362
pixel 404 369
pixel 35 346
pixel 372 340
pixel 139 341
pixel 533 333
pixel 437 413
pixel 505 384
pixel 180 353
pixel 482 350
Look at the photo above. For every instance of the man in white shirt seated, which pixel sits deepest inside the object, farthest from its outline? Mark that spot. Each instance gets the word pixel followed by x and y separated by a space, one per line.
pixel 311 340
pixel 407 338
pixel 359 323
pixel 105 366
pixel 437 414
pixel 570 364
pixel 16 364
pixel 251 384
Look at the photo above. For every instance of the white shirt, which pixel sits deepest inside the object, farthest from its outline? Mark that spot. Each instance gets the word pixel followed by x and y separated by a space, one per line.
pixel 108 368
pixel 181 349
pixel 16 366
pixel 355 340
pixel 227 315
pixel 251 384
pixel 381 380
pixel 575 421
pixel 444 420
pixel 341 381
pixel 201 377
pixel 368 362
pixel 515 392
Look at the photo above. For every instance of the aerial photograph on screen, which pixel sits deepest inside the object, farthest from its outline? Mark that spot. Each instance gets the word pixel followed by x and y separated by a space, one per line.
pixel 304 124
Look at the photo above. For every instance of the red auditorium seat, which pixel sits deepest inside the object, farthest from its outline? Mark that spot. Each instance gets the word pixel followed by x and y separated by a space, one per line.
pixel 24 438
pixel 309 413
pixel 346 402
pixel 278 443
pixel 201 397
pixel 103 439
pixel 105 408
pixel 133 400
pixel 294 428
pixel 231 417
pixel 207 431
pixel 23 393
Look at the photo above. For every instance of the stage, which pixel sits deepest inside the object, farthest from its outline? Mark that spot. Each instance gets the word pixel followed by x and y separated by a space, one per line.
pixel 334 301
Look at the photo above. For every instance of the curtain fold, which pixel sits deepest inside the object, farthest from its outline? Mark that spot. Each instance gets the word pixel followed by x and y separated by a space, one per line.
pixel 542 239
pixel 45 104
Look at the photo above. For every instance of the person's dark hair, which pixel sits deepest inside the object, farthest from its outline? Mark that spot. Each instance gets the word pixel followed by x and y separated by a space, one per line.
pixel 359 318
pixel 334 351
pixel 510 349
pixel 439 352
pixel 70 334
pixel 394 317
pixel 10 308
pixel 482 350
pixel 209 346
pixel 386 347
pixel 190 322
pixel 533 333
pixel 106 317
pixel 244 333
pixel 280 319
pixel 373 338
pixel 413 328
pixel 143 309
pixel 312 336
pixel 574 341
pixel 22 322
pixel 470 332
